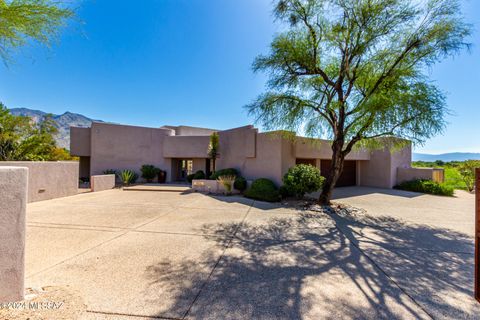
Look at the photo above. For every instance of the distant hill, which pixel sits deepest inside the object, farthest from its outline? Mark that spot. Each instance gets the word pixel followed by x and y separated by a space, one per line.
pixel 63 122
pixel 454 156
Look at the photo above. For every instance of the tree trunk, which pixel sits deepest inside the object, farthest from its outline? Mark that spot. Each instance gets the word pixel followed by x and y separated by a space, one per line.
pixel 214 164
pixel 335 172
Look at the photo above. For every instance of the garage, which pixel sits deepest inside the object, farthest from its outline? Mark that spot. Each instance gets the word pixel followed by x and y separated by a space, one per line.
pixel 348 176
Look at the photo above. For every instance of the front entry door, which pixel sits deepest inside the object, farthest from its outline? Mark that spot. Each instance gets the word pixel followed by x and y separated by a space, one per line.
pixel 184 168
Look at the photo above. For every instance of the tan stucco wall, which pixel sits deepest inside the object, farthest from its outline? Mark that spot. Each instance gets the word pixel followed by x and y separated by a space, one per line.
pixel 408 174
pixel 80 141
pixel 199 164
pixel 236 151
pixel 307 148
pixel 102 182
pixel 381 170
pixel 193 131
pixel 13 202
pixel 187 147
pixel 49 179
pixel 122 147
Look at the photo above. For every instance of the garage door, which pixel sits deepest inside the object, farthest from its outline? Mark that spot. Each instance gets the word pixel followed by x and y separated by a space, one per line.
pixel 349 174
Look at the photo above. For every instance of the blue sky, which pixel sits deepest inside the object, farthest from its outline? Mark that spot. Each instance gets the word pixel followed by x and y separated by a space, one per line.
pixel 155 62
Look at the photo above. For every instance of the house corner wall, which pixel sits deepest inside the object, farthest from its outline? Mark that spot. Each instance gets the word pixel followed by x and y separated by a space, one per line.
pixel 381 170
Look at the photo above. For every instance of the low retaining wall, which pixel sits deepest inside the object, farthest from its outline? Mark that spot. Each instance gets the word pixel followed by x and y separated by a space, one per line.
pixel 102 182
pixel 408 174
pixel 210 186
pixel 49 179
pixel 13 203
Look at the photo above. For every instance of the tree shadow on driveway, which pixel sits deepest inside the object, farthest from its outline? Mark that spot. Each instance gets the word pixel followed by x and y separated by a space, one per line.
pixel 325 266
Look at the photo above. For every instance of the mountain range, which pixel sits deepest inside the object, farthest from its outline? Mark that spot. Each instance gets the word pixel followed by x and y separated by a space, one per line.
pixel 446 157
pixel 63 122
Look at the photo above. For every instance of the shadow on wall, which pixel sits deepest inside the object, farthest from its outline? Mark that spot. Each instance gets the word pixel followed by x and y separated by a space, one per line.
pixel 292 268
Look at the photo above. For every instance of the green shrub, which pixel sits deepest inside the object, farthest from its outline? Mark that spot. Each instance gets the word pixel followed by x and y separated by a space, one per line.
pixel 197 176
pixel 224 172
pixel 240 184
pixel 302 179
pixel 110 171
pixel 128 177
pixel 264 190
pixel 426 186
pixel 285 192
pixel 149 172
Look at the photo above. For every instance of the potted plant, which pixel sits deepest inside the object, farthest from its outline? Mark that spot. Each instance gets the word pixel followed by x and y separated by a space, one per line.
pixel 149 172
pixel 162 176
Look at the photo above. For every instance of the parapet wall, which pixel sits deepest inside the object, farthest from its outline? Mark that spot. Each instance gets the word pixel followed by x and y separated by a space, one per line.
pixel 49 179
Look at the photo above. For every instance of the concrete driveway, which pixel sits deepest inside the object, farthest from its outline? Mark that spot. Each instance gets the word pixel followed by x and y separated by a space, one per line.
pixel 145 254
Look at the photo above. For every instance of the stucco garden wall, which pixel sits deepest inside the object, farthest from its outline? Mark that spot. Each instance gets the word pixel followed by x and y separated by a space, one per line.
pixel 13 202
pixel 210 186
pixel 102 182
pixel 408 174
pixel 49 179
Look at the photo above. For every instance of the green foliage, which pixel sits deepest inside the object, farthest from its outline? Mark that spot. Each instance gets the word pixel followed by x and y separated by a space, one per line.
pixel 453 176
pixel 240 184
pixel 426 186
pixel 264 190
pixel 302 179
pixel 467 171
pixel 149 172
pixel 358 70
pixel 23 140
pixel 213 147
pixel 24 20
pixel 128 177
pixel 110 171
pixel 285 192
pixel 224 172
pixel 227 182
pixel 196 176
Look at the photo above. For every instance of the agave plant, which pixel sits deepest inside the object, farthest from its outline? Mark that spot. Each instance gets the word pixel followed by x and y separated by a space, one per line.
pixel 227 182
pixel 128 177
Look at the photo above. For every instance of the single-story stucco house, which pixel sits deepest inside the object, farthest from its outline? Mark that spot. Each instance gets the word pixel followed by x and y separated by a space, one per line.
pixel 181 150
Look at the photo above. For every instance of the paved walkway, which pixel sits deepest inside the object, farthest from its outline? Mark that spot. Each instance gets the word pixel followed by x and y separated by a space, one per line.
pixel 143 255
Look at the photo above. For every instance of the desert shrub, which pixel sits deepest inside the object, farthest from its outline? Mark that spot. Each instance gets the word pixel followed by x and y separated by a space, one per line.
pixel 149 172
pixel 199 175
pixel 302 179
pixel 240 184
pixel 110 171
pixel 190 177
pixel 128 177
pixel 196 176
pixel 264 190
pixel 426 186
pixel 285 192
pixel 467 172
pixel 224 172
pixel 227 182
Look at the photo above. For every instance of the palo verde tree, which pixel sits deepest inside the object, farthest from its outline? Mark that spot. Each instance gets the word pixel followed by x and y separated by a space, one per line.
pixel 21 20
pixel 356 71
